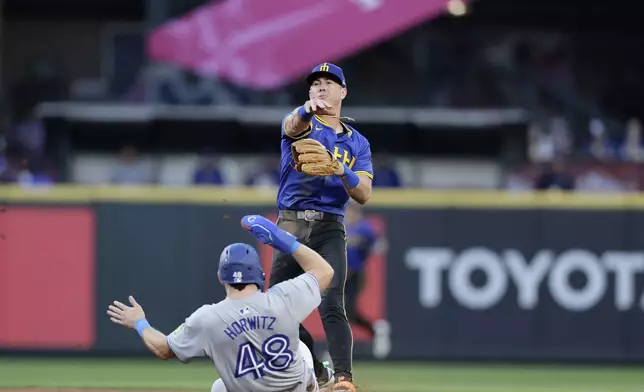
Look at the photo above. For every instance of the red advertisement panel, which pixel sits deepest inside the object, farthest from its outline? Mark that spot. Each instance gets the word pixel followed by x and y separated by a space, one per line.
pixel 47 278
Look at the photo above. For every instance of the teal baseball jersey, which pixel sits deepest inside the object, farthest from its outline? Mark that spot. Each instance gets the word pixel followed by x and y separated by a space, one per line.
pixel 253 342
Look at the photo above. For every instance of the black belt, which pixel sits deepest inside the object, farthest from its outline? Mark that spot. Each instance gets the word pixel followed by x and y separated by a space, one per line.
pixel 310 216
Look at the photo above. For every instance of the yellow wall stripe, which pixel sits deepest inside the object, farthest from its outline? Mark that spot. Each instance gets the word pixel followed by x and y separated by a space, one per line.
pixel 407 198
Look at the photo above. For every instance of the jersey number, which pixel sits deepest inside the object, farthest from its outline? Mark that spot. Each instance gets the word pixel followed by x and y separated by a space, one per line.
pixel 275 356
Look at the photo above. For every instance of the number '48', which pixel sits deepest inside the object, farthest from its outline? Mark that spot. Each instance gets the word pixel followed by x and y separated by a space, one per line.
pixel 275 356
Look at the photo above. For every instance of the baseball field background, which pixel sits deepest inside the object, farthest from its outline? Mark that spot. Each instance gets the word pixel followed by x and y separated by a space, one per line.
pixel 69 252
pixel 64 374
pixel 135 134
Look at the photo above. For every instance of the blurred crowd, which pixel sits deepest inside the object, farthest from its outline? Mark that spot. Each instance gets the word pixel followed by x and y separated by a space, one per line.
pixel 602 161
pixel 571 144
pixel 210 169
pixel 22 158
pixel 555 141
pixel 22 134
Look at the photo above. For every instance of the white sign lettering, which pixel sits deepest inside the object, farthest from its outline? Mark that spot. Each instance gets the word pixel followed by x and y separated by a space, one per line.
pixel 511 267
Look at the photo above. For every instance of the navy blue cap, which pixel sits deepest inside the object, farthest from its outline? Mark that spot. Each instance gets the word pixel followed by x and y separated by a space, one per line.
pixel 327 69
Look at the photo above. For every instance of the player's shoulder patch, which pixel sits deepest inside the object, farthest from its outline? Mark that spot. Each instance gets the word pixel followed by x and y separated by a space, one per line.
pixel 178 329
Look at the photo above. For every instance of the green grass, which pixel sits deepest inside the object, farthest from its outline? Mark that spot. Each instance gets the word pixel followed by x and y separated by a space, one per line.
pixel 373 377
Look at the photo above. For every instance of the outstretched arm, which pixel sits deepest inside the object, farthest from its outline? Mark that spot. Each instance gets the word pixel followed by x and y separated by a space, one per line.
pixel 314 264
pixel 310 261
pixel 134 317
pixel 299 120
pixel 157 343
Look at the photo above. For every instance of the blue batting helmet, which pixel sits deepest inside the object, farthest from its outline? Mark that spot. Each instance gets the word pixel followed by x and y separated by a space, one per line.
pixel 239 263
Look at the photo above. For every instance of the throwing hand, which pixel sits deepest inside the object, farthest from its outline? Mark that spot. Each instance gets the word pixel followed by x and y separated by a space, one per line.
pixel 317 106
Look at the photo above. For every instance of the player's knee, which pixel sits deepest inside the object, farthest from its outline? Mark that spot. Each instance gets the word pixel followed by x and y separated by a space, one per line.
pixel 306 354
pixel 218 386
pixel 332 307
pixel 350 307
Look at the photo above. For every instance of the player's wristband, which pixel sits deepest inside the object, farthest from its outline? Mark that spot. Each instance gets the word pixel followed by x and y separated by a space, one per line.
pixel 140 325
pixel 301 111
pixel 284 241
pixel 294 247
pixel 350 177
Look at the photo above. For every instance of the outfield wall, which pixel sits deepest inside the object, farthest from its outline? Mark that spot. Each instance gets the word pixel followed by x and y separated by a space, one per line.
pixel 487 276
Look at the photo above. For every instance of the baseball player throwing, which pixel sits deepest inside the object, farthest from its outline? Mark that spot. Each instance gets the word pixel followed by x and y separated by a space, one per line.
pixel 252 337
pixel 324 163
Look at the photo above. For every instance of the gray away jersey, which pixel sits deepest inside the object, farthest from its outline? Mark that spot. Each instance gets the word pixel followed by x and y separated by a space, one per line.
pixel 253 342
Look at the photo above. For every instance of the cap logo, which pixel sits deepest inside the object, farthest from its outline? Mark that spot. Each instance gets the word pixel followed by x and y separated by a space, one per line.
pixel 324 67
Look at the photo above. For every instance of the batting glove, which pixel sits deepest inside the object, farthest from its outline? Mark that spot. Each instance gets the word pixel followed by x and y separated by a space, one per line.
pixel 268 233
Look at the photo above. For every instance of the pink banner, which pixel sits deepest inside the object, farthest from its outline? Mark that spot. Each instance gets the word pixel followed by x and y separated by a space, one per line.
pixel 265 44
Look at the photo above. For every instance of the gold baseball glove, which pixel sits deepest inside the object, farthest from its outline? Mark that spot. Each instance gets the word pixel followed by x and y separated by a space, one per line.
pixel 312 158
